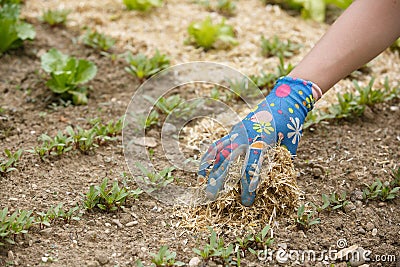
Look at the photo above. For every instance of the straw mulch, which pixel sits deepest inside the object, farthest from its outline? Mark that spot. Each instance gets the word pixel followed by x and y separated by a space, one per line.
pixel 277 195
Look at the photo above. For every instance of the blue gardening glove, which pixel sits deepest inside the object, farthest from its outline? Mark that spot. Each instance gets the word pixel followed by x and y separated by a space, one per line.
pixel 280 116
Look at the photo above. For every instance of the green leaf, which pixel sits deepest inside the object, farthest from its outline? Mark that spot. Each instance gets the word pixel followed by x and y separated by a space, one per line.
pixel 53 61
pixel 25 31
pixel 85 71
pixel 79 97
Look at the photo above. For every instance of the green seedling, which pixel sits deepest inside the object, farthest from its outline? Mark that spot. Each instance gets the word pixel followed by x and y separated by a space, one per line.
pixel 142 5
pixel 146 122
pixel 353 105
pixel 283 69
pixel 107 132
pixel 261 238
pixel 396 45
pixel 67 75
pixel 83 140
pixel 396 177
pixel 226 7
pixel 55 17
pixel 57 213
pixel 10 162
pixel 106 198
pixel 334 201
pixel 60 144
pixel 206 34
pixel 175 104
pixel 144 67
pixel 311 9
pixel 16 224
pixel 4 2
pixel 243 88
pixel 276 47
pixel 216 248
pixel 98 41
pixel 165 257
pixel 166 104
pixel 378 190
pixel 264 81
pixel 13 31
pixel 223 7
pixel 245 242
pixel 157 179
pixel 306 219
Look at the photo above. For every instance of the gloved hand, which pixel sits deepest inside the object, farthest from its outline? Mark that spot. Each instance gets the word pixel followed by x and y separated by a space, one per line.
pixel 280 116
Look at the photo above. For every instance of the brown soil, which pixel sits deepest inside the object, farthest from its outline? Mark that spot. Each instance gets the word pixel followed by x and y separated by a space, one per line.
pixel 349 153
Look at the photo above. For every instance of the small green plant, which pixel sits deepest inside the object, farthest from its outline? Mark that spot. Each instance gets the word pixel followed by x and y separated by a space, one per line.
pixel 143 67
pixel 83 139
pixel 208 35
pixel 378 190
pixel 10 162
pixel 57 213
pixel 67 75
pixel 396 177
pixel 216 248
pixel 3 2
pixel 13 31
pixel 175 104
pixel 276 47
pixel 55 17
pixel 261 238
pixel 264 81
pixel 223 7
pixel 396 45
pixel 311 9
pixel 165 257
pixel 106 198
pixel 142 5
pixel 242 88
pixel 109 131
pixel 146 122
pixel 13 225
pixel 96 40
pixel 353 105
pixel 306 219
pixel 157 179
pixel 334 201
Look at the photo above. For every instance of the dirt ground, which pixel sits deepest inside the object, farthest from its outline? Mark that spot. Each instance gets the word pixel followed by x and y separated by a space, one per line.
pixel 349 153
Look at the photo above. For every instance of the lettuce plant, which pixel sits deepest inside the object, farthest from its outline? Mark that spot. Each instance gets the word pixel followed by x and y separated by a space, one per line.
pixel 142 5
pixel 67 74
pixel 144 67
pixel 97 40
pixel 206 34
pixel 55 17
pixel 13 31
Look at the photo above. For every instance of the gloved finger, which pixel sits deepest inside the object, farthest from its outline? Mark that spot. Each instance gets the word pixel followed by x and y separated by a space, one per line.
pixel 220 170
pixel 207 160
pixel 251 172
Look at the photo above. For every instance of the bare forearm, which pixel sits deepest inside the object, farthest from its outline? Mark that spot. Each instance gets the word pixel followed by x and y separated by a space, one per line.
pixel 362 32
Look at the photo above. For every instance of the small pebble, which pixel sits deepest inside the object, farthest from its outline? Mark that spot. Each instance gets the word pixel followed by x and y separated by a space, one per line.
pixel 194 262
pixel 118 223
pixel 45 259
pixel 10 255
pixel 369 226
pixel 107 224
pixel 374 232
pixel 130 224
pixel 361 230
pixel 102 259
